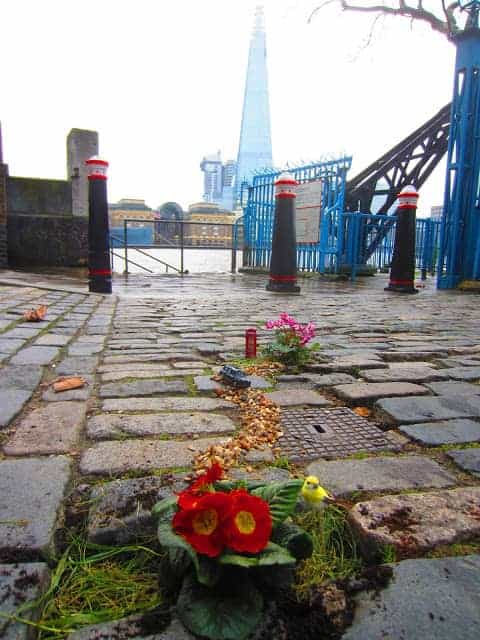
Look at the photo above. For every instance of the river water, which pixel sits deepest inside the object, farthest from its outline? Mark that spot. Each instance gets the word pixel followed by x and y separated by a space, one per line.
pixel 194 260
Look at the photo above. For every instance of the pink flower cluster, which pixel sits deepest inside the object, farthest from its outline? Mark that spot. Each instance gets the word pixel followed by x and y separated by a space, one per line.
pixel 305 332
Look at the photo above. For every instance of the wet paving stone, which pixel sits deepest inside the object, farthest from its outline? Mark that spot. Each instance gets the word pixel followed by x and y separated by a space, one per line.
pixel 329 379
pixel 31 495
pixel 420 409
pixel 443 432
pixel 464 373
pixel 110 426
pixel 10 345
pixel 121 510
pixel 77 365
pixel 309 434
pixel 368 391
pixel 403 374
pixel 52 429
pixel 26 377
pixel 408 608
pixel 417 522
pixel 297 397
pixel 383 473
pixel 12 402
pixel 467 459
pixel 84 348
pixel 454 388
pixel 35 355
pixel 52 340
pixel 142 388
pixel 117 457
pixel 166 404
pixel 21 584
pixel 133 628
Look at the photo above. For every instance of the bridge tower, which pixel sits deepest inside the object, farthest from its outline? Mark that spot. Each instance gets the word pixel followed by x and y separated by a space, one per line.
pixel 459 258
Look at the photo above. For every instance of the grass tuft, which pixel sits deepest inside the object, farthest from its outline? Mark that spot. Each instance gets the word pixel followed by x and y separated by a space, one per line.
pixel 97 583
pixel 335 553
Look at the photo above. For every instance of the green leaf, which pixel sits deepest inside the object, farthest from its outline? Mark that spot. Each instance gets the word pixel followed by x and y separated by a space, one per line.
pixel 165 509
pixel 207 570
pixel 271 555
pixel 230 611
pixel 281 496
pixel 298 542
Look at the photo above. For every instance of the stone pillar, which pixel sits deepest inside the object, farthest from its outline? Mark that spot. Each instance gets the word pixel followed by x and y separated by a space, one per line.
pixel 81 145
pixel 3 209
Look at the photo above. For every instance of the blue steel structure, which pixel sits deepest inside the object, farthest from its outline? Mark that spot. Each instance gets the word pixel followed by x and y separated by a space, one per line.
pixel 459 257
pixel 260 208
pixel 344 237
pixel 255 146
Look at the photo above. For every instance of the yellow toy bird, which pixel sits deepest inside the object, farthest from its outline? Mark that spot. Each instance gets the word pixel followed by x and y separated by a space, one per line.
pixel 315 495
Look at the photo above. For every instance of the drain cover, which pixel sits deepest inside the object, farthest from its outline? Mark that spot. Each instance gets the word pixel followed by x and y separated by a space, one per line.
pixel 309 434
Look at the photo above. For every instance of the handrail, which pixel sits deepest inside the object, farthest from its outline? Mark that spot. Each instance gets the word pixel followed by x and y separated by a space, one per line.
pixel 165 264
pixel 130 260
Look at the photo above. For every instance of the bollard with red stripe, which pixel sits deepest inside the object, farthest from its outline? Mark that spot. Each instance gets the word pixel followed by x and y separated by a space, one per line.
pixel 283 263
pixel 402 272
pixel 99 268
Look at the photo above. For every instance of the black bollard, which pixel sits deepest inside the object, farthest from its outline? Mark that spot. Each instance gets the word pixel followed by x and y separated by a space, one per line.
pixel 402 272
pixel 99 268
pixel 283 263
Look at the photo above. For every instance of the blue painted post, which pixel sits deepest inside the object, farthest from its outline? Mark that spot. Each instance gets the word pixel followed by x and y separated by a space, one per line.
pixel 283 263
pixel 461 213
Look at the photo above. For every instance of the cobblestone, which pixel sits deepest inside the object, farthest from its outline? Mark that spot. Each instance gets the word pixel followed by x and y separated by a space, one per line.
pixel 21 584
pixel 109 426
pixel 343 477
pixel 32 491
pixel 52 429
pixel 106 458
pixel 417 522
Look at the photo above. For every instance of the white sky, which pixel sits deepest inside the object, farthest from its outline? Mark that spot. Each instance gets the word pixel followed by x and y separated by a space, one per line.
pixel 162 82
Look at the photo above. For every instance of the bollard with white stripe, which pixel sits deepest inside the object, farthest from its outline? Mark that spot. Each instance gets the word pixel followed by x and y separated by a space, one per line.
pixel 99 268
pixel 402 272
pixel 283 263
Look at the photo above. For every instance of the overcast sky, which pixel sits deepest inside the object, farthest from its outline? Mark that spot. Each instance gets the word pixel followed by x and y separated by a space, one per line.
pixel 162 82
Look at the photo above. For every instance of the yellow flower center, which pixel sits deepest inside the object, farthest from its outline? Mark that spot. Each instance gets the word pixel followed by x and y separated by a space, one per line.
pixel 205 522
pixel 245 522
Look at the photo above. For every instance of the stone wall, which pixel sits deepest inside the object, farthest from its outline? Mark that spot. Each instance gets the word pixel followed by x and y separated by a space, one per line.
pixel 32 196
pixel 49 241
pixel 3 216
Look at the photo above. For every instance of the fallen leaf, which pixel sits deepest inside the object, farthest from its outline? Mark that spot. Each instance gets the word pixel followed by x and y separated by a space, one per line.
pixel 65 384
pixel 35 315
pixel 364 412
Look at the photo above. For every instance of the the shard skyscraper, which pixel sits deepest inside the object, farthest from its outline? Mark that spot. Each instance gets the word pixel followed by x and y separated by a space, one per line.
pixel 255 148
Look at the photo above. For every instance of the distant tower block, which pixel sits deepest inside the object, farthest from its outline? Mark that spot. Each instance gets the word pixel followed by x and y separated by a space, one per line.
pixel 255 148
pixel 81 145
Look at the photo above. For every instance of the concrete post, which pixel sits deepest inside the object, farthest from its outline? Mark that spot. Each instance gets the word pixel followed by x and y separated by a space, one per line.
pixel 81 145
pixel 283 263
pixel 402 273
pixel 99 268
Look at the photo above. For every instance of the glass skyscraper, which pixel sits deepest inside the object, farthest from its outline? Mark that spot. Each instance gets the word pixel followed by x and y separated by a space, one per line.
pixel 255 147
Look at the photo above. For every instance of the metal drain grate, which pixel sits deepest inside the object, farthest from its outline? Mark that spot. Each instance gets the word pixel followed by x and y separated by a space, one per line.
pixel 309 434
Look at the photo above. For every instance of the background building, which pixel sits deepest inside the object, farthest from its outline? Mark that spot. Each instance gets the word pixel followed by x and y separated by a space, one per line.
pixel 208 225
pixel 436 212
pixel 130 209
pixel 218 180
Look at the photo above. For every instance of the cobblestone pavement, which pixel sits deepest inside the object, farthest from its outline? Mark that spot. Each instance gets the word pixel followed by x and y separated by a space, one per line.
pixel 147 354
